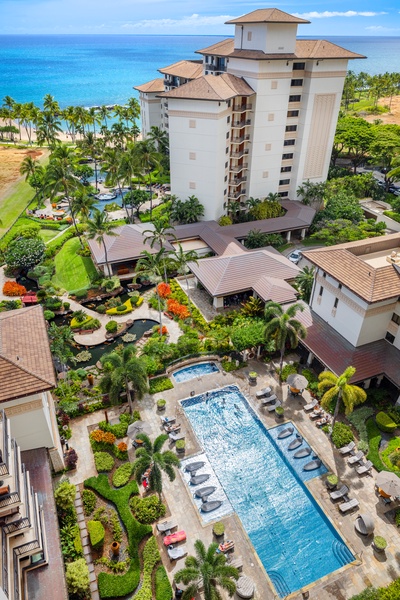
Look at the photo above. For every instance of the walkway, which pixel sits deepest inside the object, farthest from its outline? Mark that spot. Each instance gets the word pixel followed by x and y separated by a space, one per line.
pixel 86 545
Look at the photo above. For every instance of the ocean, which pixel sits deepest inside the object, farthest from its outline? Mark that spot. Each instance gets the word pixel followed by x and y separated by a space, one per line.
pixel 92 70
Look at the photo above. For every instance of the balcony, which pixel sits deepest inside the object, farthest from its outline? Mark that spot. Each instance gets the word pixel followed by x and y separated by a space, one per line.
pixel 5 446
pixel 236 195
pixel 242 123
pixel 238 139
pixel 237 180
pixel 238 168
pixel 218 68
pixel 240 153
pixel 241 108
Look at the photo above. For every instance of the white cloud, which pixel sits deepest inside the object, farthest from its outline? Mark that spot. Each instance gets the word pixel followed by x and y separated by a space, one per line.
pixel 194 20
pixel 381 28
pixel 328 14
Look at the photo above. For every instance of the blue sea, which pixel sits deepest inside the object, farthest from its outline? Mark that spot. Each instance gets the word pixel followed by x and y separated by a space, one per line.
pixel 92 70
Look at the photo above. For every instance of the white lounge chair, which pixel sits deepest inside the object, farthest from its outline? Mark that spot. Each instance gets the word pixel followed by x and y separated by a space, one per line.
pixel 349 505
pixel 272 407
pixel 178 552
pixel 166 526
pixel 174 437
pixel 364 468
pixel 311 405
pixel 339 493
pixel 356 458
pixel 264 392
pixel 347 449
pixel 269 399
pixel 167 420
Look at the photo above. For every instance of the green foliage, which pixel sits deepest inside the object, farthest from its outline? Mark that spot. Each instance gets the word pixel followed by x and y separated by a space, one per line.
pixel 344 230
pixel 392 215
pixel 111 586
pixel 368 594
pixel 289 370
pixel 257 239
pixel 24 253
pixel 341 434
pixel 77 578
pixel 163 586
pixel 122 475
pixel 71 545
pixel 249 334
pixel 115 526
pixel 48 315
pixel 161 384
pixel 103 461
pixel 224 220
pixel 100 514
pixel 64 495
pixel 374 440
pixel 120 429
pixel 358 419
pixel 385 423
pixel 147 510
pixel 96 534
pixel 267 209
pixel 151 556
pixel 112 326
pixel 391 455
pixel 115 566
pixel 89 501
pixel 397 517
pixel 218 528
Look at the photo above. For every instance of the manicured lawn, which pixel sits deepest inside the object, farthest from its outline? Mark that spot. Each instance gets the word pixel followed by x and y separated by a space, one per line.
pixel 48 234
pixel 73 272
pixel 12 206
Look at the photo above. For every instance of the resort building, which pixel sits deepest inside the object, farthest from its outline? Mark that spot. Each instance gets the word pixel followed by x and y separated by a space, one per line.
pixel 355 308
pixel 258 116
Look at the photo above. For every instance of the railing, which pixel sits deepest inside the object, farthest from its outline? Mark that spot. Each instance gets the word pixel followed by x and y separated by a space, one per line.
pixel 5 564
pixel 236 195
pixel 11 499
pixel 237 181
pixel 4 464
pixel 26 548
pixel 242 107
pixel 238 168
pixel 216 68
pixel 239 153
pixel 16 526
pixel 241 138
pixel 241 124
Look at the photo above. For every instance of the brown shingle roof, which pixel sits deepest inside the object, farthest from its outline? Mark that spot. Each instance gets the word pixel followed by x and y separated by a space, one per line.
pixel 208 87
pixel 305 49
pixel 189 69
pixel 266 15
pixel 155 85
pixel 26 365
pixel 345 263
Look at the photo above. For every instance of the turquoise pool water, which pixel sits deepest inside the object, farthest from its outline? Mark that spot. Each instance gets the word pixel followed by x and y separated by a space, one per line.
pixel 293 538
pixel 195 371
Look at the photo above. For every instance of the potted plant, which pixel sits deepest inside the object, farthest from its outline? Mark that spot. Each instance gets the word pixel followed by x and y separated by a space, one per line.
pixel 180 446
pixel 253 378
pixel 218 529
pixel 379 543
pixel 279 412
pixel 331 481
pixel 161 404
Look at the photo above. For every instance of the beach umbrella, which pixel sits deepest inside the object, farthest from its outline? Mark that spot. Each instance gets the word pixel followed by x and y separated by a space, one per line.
pixel 299 382
pixel 138 427
pixel 389 483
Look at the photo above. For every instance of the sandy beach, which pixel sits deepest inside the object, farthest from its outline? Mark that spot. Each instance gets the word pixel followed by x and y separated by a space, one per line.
pixel 10 162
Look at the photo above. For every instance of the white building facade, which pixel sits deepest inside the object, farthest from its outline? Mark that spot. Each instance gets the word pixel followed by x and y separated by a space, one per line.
pixel 264 125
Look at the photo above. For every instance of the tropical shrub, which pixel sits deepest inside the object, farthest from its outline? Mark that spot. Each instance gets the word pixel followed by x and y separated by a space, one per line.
pixel 358 418
pixel 385 423
pixel 160 384
pixel 111 326
pixel 100 436
pixel 48 315
pixel 374 441
pixel 11 288
pixel 122 475
pixel 341 434
pixel 103 461
pixel 121 309
pixel 177 309
pixel 115 526
pixel 122 447
pixel 119 429
pixel 224 220
pixel 163 586
pixel 64 495
pixel 89 501
pixel 77 578
pixel 147 510
pixel 101 309
pixel 289 370
pixel 96 534
pixel 218 528
pixel 151 556
pixel 164 290
pixel 24 253
pixel 71 458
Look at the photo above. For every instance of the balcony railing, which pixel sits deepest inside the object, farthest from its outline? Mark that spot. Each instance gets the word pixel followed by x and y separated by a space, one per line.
pixel 238 168
pixel 238 139
pixel 242 123
pixel 237 180
pixel 240 153
pixel 236 195
pixel 242 108
pixel 4 460
pixel 217 68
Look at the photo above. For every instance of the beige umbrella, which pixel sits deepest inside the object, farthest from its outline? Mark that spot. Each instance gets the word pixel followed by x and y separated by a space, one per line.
pixel 299 382
pixel 389 483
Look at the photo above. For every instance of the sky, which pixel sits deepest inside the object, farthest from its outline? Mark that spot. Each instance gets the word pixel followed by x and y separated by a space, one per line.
pixel 192 17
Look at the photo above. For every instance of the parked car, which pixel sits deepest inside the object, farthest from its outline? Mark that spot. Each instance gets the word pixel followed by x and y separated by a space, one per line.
pixel 295 256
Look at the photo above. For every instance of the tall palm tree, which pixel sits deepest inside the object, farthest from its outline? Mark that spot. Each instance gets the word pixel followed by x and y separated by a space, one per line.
pixel 150 266
pixel 82 204
pixel 339 387
pixel 180 259
pixel 159 234
pixel 123 371
pixel 304 282
pixel 150 456
pixel 146 160
pixel 28 166
pixel 47 129
pixel 98 228
pixel 51 105
pixel 283 327
pixel 207 570
pixel 159 137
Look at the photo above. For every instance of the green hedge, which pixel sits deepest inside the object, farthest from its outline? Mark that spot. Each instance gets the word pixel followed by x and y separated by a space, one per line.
pixel 89 501
pixel 111 586
pixel 96 534
pixel 374 440
pixel 358 419
pixel 391 592
pixel 120 429
pixel 163 586
pixel 392 215
pixel 341 434
pixel 161 384
pixel 122 475
pixel 147 510
pixel 151 556
pixel 103 461
pixel 385 423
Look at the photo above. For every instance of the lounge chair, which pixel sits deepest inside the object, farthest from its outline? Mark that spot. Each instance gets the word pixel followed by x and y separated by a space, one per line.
pixel 364 468
pixel 269 399
pixel 166 526
pixel 356 458
pixel 315 414
pixel 245 587
pixel 364 524
pixel 311 405
pixel 272 407
pixel 264 392
pixel 324 421
pixel 349 505
pixel 235 561
pixel 225 547
pixel 339 493
pixel 347 449
pixel 175 553
pixel 179 536
pixel 168 420
pixel 174 437
pixel 172 428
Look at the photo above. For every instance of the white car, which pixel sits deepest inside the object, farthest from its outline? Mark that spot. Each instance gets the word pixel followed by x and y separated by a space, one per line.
pixel 295 256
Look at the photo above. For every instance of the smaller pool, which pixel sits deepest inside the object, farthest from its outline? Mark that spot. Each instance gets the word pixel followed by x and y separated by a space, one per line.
pixel 195 371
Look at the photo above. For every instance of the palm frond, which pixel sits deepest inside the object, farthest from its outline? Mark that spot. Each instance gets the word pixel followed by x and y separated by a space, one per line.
pixel 159 442
pixel 328 397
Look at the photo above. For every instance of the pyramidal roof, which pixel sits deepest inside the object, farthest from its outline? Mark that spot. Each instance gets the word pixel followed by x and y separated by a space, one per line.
pixel 266 15
pixel 208 87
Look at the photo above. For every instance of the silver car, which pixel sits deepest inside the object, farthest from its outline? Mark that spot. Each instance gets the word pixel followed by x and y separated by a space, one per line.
pixel 295 256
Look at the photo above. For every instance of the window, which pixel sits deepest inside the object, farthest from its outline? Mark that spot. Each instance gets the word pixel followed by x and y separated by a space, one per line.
pixel 226 178
pixel 271 117
pixel 226 165
pixel 321 290
pixel 293 113
pixel 192 185
pixel 389 337
pixel 226 150
pixel 206 59
pixel 336 303
pixel 267 147
pixel 287 156
pixel 283 194
pixel 289 142
pixel 192 155
pixel 291 128
pixel 265 174
pixel 286 169
pixel 249 36
pixel 225 192
pixel 324 275
pixel 340 286
pixel 228 119
pixel 299 66
pixel 274 85
pixel 227 135
pixel 284 181
pixel 192 124
pixel 294 98
pixel 395 318
pixel 296 82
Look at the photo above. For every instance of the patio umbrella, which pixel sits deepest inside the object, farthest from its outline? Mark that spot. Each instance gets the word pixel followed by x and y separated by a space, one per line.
pixel 299 382
pixel 138 427
pixel 389 483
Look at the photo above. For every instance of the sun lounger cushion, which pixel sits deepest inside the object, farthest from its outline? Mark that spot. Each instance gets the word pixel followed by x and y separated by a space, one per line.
pixel 346 449
pixel 263 392
pixel 364 468
pixel 274 406
pixel 353 503
pixel 179 536
pixel 311 405
pixel 339 493
pixel 356 458
pixel 175 553
pixel 166 526
pixel 269 399
pixel 174 437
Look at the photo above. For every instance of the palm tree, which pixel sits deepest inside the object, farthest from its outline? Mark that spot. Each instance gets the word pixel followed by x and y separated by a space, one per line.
pixel 180 259
pixel 160 234
pixel 28 167
pixel 304 282
pixel 51 105
pixel 82 204
pixel 150 266
pixel 283 327
pixel 273 197
pixel 159 137
pixel 147 159
pixel 123 371
pixel 207 570
pixel 47 129
pixel 339 388
pixel 150 457
pixel 97 228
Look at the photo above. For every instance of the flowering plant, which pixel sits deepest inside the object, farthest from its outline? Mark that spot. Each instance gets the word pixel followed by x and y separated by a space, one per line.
pixel 11 288
pixel 177 309
pixel 164 330
pixel 163 290
pixel 122 447
pixel 102 436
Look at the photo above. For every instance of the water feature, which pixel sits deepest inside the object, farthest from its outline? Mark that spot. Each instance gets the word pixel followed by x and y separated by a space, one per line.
pixel 193 371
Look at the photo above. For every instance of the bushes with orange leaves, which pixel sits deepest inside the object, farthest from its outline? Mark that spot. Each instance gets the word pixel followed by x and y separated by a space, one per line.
pixel 11 288
pixel 164 290
pixel 100 436
pixel 177 309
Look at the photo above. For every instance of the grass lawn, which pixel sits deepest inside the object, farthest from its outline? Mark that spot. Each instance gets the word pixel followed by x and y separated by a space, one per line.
pixel 73 272
pixel 48 234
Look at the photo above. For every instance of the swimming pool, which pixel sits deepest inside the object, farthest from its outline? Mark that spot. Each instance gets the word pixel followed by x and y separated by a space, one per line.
pixel 195 371
pixel 293 538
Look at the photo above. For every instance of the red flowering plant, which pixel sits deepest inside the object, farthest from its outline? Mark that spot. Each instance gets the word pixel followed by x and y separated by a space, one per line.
pixel 177 309
pixel 164 330
pixel 11 288
pixel 164 290
pixel 122 447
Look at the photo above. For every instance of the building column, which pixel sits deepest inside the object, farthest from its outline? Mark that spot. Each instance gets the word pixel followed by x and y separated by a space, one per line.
pixel 288 236
pixel 218 302
pixel 310 358
pixel 379 380
pixel 367 383
pixel 303 233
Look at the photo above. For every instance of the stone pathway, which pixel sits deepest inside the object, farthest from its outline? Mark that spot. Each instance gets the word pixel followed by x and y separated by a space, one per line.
pixel 86 545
